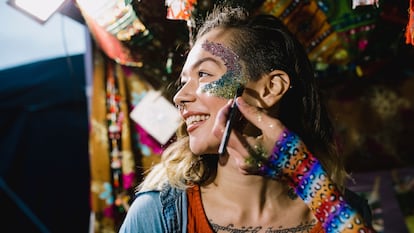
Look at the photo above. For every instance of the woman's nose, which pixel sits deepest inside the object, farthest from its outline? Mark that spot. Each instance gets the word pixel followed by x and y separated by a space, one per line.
pixel 187 93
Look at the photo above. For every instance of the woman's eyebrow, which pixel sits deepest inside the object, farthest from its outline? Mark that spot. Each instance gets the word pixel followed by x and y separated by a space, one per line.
pixel 206 59
pixel 199 62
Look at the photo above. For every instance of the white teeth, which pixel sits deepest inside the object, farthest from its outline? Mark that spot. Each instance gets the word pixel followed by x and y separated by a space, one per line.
pixel 195 118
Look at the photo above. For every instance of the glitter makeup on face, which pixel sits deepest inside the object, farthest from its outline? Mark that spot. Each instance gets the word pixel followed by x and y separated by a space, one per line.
pixel 227 85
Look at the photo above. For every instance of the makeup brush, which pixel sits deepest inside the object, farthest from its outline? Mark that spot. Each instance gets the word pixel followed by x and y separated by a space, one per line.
pixel 234 114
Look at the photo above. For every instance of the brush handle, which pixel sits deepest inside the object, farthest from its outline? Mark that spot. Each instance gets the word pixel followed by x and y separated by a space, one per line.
pixel 234 113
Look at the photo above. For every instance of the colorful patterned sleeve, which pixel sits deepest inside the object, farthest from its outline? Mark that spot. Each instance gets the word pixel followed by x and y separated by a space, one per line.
pixel 292 160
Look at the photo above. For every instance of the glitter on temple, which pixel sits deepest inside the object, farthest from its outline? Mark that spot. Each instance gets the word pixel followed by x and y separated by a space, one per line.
pixel 228 84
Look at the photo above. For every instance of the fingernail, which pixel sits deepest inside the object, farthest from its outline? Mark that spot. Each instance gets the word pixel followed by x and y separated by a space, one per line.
pixel 240 101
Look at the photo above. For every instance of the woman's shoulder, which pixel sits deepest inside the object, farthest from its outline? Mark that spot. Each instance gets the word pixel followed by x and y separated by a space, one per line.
pixel 151 207
pixel 144 213
pixel 158 197
pixel 148 198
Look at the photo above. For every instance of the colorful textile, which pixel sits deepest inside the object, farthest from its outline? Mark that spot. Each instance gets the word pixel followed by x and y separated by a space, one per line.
pixel 291 160
pixel 101 197
pixel 148 148
pixel 179 9
pixel 120 150
pixel 112 41
pixel 113 174
pixel 354 26
pixel 309 23
pixel 409 33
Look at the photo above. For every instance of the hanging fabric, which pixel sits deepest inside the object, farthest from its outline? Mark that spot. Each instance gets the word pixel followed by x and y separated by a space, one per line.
pixel 114 26
pixel 310 25
pixel 120 150
pixel 113 175
pixel 179 9
pixel 409 33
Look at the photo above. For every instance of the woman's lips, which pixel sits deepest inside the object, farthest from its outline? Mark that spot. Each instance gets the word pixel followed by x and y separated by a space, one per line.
pixel 194 121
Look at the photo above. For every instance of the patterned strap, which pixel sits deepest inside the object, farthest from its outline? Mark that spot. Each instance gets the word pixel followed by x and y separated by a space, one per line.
pixel 292 161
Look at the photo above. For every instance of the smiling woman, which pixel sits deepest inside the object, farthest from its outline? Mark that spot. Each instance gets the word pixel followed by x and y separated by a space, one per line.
pixel 280 171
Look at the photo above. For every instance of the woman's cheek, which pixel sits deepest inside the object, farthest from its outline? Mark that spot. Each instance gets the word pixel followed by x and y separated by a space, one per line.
pixel 223 88
pixel 207 90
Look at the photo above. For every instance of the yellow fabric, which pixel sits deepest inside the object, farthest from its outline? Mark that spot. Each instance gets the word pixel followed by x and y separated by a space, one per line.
pixel 109 209
pixel 99 148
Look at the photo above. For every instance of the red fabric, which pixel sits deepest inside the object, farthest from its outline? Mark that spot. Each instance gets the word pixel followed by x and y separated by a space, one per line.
pixel 197 220
pixel 409 33
pixel 110 45
pixel 318 228
pixel 180 9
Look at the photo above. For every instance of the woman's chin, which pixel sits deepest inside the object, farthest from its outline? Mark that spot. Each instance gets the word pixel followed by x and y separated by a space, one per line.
pixel 197 150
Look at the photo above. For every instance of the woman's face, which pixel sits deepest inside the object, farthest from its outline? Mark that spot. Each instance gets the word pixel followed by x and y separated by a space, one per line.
pixel 209 78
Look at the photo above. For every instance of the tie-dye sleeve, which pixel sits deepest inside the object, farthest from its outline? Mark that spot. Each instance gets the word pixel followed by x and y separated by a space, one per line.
pixel 292 160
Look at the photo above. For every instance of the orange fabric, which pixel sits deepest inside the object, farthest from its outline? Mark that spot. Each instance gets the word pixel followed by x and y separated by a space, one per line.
pixel 197 220
pixel 409 32
pixel 317 229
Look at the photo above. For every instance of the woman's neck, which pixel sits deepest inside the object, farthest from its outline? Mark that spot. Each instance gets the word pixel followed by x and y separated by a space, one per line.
pixel 246 191
pixel 235 198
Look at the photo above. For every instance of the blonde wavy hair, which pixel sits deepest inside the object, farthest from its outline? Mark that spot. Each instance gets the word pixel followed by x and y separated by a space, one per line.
pixel 179 166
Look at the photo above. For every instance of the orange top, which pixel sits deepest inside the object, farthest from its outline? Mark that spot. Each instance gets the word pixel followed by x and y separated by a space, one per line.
pixel 197 220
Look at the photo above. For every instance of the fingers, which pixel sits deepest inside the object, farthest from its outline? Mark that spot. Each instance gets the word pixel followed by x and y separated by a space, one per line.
pixel 220 121
pixel 238 145
pixel 236 141
pixel 250 152
pixel 250 155
pixel 253 114
pixel 270 127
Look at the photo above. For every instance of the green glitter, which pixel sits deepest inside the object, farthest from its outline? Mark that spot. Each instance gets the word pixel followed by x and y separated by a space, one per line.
pixel 225 87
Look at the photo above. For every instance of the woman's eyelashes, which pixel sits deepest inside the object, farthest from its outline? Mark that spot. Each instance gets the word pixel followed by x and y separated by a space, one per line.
pixel 202 74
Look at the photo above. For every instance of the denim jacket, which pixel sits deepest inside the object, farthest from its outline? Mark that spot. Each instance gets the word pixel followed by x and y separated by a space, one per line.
pixel 155 211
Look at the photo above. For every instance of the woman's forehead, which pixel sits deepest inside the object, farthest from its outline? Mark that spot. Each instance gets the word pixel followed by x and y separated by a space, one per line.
pixel 230 58
pixel 197 54
pixel 217 35
pixel 207 47
pixel 216 43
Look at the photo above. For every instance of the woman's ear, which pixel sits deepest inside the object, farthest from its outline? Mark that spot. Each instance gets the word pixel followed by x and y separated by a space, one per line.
pixel 276 83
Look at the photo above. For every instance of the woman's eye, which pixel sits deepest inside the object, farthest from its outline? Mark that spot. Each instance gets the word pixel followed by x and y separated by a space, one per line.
pixel 202 74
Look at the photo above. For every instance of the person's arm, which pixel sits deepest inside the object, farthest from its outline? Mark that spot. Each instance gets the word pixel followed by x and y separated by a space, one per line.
pixel 292 161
